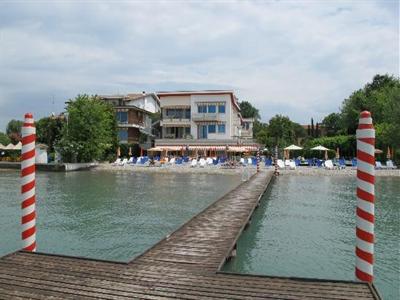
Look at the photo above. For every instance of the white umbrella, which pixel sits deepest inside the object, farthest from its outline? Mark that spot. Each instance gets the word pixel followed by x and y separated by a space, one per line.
pixel 18 146
pixel 9 147
pixel 2 146
pixel 293 147
pixel 322 148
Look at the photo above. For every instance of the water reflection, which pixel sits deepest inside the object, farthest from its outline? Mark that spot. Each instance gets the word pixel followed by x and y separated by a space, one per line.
pixel 305 228
pixel 105 214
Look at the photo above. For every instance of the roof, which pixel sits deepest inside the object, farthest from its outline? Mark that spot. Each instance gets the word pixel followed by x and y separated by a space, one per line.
pixel 203 92
pixel 130 97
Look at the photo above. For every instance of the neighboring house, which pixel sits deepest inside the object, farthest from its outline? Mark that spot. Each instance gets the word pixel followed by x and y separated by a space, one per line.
pixel 202 118
pixel 133 115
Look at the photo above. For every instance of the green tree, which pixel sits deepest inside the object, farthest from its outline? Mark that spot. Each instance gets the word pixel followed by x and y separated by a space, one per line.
pixel 13 130
pixel 247 110
pixel 280 129
pixel 90 131
pixel 332 124
pixel 4 139
pixel 48 131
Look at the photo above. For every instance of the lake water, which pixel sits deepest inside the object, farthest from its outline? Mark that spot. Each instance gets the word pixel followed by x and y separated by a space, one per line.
pixel 106 215
pixel 305 227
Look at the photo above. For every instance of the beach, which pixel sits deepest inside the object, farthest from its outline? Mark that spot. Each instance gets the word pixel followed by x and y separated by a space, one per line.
pixel 186 169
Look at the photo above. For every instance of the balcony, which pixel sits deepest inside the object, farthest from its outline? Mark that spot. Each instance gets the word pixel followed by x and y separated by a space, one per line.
pixel 201 117
pixel 174 122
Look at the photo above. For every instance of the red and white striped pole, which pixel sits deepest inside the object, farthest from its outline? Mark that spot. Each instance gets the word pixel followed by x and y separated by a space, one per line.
pixel 28 184
pixel 258 160
pixel 365 198
pixel 276 172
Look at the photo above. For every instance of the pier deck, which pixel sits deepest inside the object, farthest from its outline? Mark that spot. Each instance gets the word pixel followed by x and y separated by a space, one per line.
pixel 184 265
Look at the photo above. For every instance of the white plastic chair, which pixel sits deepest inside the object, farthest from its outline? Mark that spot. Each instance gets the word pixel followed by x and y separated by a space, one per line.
pixel 292 165
pixel 117 162
pixel 390 165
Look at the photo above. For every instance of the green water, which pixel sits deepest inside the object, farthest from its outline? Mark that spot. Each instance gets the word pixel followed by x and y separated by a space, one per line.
pixel 305 228
pixel 106 215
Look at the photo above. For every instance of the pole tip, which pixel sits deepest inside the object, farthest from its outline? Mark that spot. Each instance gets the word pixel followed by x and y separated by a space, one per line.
pixel 365 114
pixel 28 115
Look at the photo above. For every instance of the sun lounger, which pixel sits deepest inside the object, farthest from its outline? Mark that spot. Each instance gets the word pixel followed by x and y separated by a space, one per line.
pixel 209 161
pixel 329 164
pixel 354 162
pixel 379 166
pixel 117 162
pixel 342 163
pixel 319 163
pixel 202 162
pixel 297 162
pixel 130 161
pixel 172 161
pixel 268 162
pixel 292 165
pixel 390 165
pixel 280 163
pixel 242 161
pixel 193 163
pixel 287 163
pixel 123 162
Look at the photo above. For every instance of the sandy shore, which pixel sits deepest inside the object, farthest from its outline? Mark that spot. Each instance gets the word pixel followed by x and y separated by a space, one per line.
pixel 186 169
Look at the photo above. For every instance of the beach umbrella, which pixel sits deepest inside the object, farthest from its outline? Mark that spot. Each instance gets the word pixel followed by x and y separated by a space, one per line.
pixel 291 147
pixel 388 155
pixel 18 146
pixel 130 151
pixel 2 146
pixel 141 151
pixel 337 153
pixel 321 148
pixel 9 147
pixel 118 152
pixel 378 151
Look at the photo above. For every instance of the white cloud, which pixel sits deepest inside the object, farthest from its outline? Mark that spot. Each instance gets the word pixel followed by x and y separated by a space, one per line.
pixel 297 58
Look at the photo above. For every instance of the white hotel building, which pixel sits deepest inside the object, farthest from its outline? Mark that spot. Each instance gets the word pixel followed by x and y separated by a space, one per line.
pixel 203 118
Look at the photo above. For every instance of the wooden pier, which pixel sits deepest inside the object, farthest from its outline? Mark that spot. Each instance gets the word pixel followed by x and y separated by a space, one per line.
pixel 184 265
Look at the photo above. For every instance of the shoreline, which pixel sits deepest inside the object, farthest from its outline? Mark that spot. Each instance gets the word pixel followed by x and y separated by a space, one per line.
pixel 186 169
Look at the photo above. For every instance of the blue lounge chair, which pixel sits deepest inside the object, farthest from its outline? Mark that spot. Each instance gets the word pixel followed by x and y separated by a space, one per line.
pixel 185 159
pixel 320 163
pixel 268 162
pixel 297 162
pixel 310 162
pixel 354 162
pixel 342 163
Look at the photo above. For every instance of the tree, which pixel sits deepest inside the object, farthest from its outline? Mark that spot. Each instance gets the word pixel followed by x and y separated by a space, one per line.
pixel 48 131
pixel 13 130
pixel 89 132
pixel 280 128
pixel 312 128
pixel 332 124
pixel 4 139
pixel 247 110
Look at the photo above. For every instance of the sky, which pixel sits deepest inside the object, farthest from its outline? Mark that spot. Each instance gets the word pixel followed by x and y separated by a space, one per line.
pixel 296 58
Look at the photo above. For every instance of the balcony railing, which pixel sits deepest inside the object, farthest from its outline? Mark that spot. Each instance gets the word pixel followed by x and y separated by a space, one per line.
pixel 174 121
pixel 208 117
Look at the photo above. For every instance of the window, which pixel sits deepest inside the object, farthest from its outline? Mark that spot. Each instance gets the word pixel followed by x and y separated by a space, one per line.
pixel 221 109
pixel 187 130
pixel 122 116
pixel 211 128
pixel 202 109
pixel 212 109
pixel 123 135
pixel 221 128
pixel 187 113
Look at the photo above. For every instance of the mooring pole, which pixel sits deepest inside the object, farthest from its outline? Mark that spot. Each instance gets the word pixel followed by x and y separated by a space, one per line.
pixel 365 198
pixel 258 160
pixel 28 184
